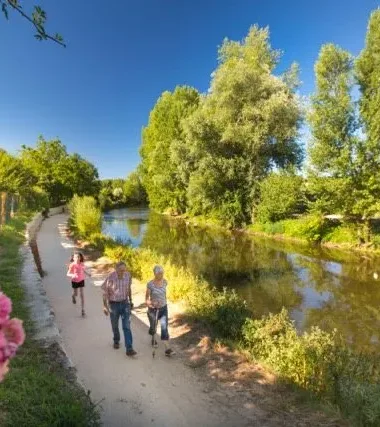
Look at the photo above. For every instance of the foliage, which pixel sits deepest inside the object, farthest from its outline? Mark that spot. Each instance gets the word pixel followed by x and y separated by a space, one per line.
pixel 117 252
pixel 319 362
pixel 281 196
pixel 246 124
pixel 368 74
pixel 332 120
pixel 58 173
pixel 164 175
pixel 311 228
pixel 37 390
pixel 117 193
pixel 37 18
pixel 342 234
pixel 85 215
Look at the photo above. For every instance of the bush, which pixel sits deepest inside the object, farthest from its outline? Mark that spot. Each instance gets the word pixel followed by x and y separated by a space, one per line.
pixel 319 362
pixel 85 216
pixel 341 234
pixel 116 253
pixel 281 195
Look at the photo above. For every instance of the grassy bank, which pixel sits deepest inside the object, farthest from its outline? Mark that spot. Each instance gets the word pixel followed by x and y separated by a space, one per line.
pixel 317 362
pixel 37 391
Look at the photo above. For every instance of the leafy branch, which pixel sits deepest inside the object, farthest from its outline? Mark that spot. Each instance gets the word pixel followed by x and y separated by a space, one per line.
pixel 37 18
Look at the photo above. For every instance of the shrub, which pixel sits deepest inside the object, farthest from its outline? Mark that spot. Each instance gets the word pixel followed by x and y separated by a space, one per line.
pixel 341 234
pixel 85 215
pixel 281 195
pixel 124 253
pixel 319 362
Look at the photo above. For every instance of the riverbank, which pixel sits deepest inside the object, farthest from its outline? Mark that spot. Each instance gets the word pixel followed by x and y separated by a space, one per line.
pixel 39 390
pixel 308 230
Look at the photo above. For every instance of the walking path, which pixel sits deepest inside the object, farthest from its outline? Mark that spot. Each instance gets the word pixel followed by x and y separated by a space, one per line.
pixel 137 392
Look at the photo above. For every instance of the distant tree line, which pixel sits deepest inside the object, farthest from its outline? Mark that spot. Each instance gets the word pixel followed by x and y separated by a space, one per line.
pixel 117 193
pixel 47 175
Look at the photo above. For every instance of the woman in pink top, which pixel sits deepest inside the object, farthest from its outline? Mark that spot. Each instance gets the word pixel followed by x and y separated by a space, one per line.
pixel 77 274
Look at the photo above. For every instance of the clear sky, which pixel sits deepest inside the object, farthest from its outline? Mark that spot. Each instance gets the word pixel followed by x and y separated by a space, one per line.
pixel 96 94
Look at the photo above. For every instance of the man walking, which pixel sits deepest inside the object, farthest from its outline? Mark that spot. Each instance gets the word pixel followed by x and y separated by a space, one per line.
pixel 117 302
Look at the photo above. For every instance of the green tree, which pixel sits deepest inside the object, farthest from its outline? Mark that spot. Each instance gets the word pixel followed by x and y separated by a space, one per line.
pixel 281 195
pixel 161 139
pixel 59 174
pixel 37 18
pixel 14 177
pixel 135 194
pixel 368 76
pixel 333 144
pixel 247 124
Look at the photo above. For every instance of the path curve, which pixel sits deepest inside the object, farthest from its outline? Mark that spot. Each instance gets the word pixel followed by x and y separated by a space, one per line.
pixel 139 392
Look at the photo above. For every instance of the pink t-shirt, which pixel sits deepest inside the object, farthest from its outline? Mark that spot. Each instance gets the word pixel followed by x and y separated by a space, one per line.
pixel 78 271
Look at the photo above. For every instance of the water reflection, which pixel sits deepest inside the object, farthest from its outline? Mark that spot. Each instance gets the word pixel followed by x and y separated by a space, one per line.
pixel 329 288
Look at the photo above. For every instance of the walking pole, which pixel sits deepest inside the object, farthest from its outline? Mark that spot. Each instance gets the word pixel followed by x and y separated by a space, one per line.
pixel 154 332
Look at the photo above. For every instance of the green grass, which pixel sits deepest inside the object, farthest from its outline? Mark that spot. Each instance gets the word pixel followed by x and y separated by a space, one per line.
pixel 37 391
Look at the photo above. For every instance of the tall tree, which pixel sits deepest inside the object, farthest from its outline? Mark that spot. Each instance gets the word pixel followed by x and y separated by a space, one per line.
pixel 247 124
pixel 368 76
pixel 333 144
pixel 160 170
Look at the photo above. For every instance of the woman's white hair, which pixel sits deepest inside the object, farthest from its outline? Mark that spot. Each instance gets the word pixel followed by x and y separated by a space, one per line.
pixel 158 269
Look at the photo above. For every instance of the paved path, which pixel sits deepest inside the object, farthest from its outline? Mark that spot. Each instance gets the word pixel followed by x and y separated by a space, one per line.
pixel 136 392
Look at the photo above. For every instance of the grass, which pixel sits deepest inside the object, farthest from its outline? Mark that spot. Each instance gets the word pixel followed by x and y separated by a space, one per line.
pixel 37 391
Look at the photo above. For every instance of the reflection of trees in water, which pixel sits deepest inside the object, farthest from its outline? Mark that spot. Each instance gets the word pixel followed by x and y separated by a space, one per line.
pixel 354 304
pixel 134 227
pixel 263 276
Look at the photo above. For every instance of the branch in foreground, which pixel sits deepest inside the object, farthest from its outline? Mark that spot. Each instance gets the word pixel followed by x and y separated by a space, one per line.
pixel 38 19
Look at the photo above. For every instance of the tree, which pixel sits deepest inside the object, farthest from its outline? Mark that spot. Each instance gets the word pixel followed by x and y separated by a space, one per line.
pixel 247 124
pixel 161 139
pixel 333 145
pixel 134 191
pixel 14 177
pixel 37 18
pixel 281 195
pixel 59 174
pixel 368 76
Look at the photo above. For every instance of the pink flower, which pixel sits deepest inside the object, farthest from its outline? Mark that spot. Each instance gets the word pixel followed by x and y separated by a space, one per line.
pixel 3 370
pixel 14 332
pixel 3 340
pixel 5 308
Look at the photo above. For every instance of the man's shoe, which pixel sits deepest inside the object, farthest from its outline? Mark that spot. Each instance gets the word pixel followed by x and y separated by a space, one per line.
pixel 116 345
pixel 131 352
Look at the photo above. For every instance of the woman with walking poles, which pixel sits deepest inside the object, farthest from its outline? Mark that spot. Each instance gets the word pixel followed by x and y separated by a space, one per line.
pixel 157 307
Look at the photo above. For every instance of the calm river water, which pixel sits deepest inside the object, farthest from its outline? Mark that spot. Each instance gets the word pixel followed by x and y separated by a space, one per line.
pixel 329 288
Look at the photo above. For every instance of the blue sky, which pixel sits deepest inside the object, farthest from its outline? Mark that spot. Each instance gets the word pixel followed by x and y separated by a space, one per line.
pixel 96 94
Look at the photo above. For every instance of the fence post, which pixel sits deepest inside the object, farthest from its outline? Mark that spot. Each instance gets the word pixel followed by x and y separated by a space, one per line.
pixel 3 209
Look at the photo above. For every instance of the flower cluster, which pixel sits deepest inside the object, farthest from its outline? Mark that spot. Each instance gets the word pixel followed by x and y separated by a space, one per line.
pixel 12 334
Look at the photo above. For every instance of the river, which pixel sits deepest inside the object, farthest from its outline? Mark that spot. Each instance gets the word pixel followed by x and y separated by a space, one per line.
pixel 324 287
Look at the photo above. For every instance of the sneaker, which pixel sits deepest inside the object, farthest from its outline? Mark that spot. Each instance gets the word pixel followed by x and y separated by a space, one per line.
pixel 73 299
pixel 116 345
pixel 83 313
pixel 131 352
pixel 169 352
pixel 155 344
